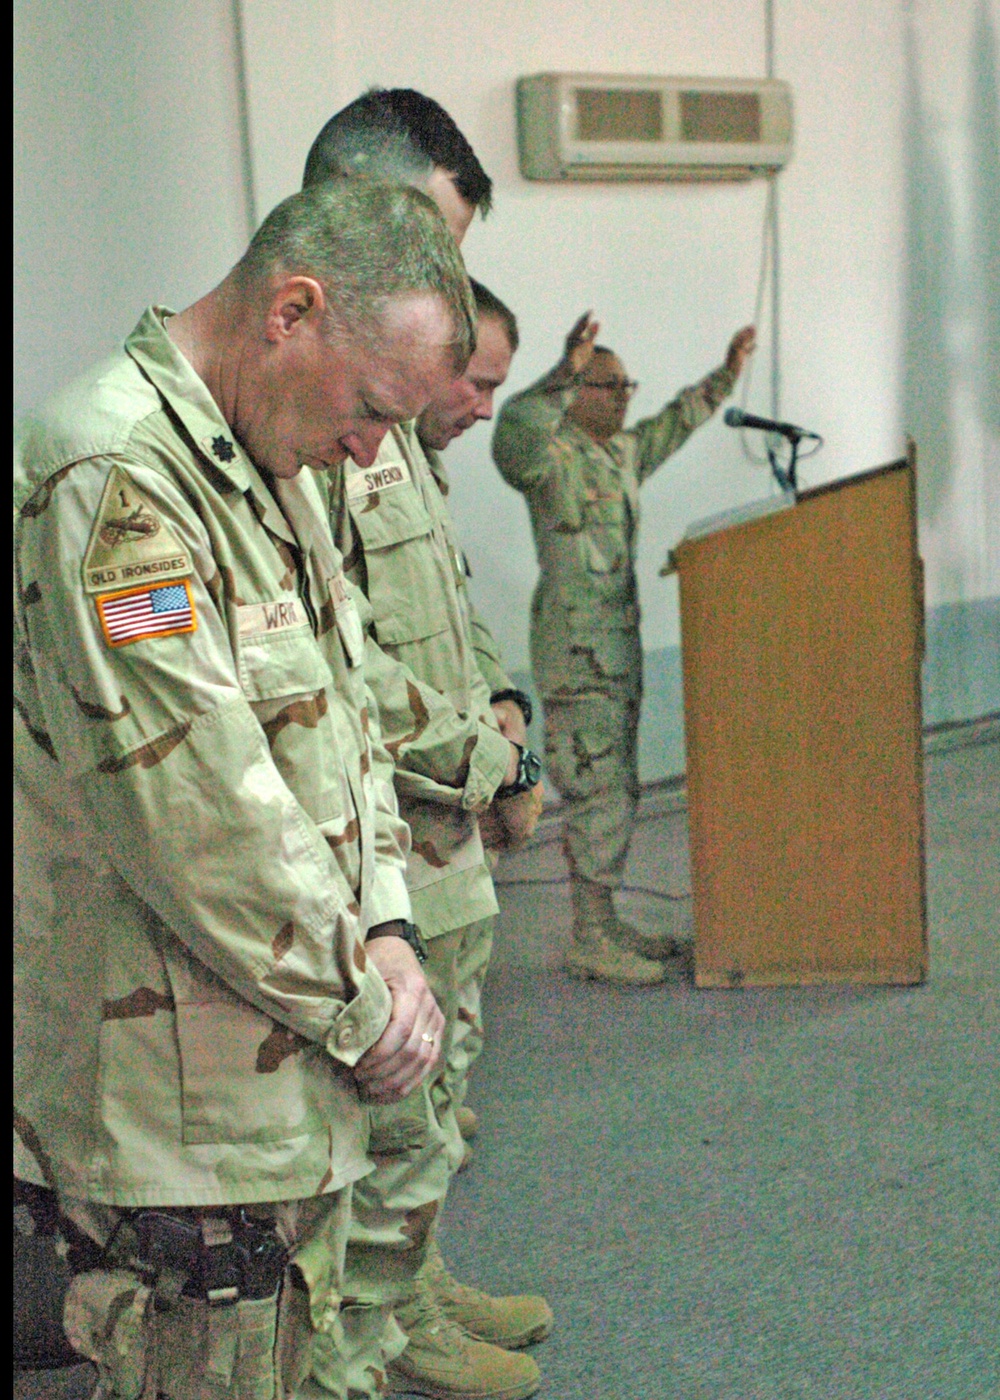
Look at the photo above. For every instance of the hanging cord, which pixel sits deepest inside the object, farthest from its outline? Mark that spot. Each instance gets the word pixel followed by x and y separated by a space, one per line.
pixel 243 112
pixel 765 277
pixel 515 880
pixel 770 239
pixel 768 279
pixel 768 271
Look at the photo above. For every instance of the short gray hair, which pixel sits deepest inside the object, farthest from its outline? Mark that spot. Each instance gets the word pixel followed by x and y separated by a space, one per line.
pixel 367 243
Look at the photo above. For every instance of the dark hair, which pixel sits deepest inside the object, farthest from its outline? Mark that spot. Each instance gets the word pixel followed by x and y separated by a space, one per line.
pixel 489 304
pixel 397 134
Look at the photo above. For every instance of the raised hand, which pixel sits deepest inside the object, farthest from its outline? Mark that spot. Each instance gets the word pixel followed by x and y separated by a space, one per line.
pixel 741 347
pixel 580 343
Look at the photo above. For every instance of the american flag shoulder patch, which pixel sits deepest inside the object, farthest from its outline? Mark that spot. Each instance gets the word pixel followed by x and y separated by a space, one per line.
pixel 158 610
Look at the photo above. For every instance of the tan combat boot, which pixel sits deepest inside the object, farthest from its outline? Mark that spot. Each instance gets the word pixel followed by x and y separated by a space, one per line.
pixel 443 1361
pixel 649 945
pixel 515 1321
pixel 596 952
pixel 468 1123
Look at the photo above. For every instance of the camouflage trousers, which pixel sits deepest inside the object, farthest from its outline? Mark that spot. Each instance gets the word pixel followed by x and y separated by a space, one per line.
pixel 456 969
pixel 591 755
pixel 302 1343
pixel 415 1144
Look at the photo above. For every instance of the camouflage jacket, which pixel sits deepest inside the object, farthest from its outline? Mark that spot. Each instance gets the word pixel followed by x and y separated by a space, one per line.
pixel 489 661
pixel 393 527
pixel 583 499
pixel 202 837
pixel 488 657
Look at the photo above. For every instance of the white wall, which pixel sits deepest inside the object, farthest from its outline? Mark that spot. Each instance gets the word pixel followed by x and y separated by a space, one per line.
pixel 952 307
pixel 670 270
pixel 128 172
pixel 129 190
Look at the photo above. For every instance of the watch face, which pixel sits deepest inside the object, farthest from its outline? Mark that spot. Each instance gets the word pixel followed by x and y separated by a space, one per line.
pixel 531 765
pixel 413 936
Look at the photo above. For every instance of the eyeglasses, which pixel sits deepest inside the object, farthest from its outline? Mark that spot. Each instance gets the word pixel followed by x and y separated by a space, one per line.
pixel 612 386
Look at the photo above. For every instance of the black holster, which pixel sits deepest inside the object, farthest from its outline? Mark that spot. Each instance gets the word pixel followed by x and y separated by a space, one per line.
pixel 219 1255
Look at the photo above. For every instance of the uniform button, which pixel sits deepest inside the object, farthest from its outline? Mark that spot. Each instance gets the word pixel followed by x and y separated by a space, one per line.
pixel 345 1036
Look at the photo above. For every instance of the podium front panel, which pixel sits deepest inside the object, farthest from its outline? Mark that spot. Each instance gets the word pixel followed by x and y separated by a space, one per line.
pixel 801 638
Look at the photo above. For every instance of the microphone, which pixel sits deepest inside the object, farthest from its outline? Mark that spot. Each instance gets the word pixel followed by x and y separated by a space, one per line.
pixel 736 418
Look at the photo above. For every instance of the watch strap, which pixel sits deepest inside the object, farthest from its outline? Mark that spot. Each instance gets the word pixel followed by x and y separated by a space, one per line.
pixel 408 932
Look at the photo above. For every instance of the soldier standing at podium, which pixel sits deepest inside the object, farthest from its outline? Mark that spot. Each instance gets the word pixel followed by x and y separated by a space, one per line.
pixel 564 445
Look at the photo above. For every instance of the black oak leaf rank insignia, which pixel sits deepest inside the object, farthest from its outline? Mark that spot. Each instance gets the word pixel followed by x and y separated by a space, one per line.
pixel 223 448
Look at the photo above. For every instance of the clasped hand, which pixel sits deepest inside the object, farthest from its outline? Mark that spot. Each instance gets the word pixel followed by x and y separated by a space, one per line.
pixel 410 1046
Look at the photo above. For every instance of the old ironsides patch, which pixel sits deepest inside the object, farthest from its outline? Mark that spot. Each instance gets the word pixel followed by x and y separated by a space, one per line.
pixel 130 542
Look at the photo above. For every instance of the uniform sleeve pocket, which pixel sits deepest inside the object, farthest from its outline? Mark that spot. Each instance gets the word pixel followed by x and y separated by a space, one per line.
pixel 242 1075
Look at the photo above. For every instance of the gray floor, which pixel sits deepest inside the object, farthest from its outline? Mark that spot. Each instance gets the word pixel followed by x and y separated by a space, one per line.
pixel 743 1195
pixel 749 1195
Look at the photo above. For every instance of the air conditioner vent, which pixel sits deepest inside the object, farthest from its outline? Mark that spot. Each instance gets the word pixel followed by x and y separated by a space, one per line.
pixel 596 126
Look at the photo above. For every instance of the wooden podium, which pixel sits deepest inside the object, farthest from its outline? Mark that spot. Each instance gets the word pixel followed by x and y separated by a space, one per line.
pixel 802 638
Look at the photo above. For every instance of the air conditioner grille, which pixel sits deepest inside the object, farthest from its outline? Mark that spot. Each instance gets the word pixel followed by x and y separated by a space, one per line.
pixel 720 116
pixel 622 114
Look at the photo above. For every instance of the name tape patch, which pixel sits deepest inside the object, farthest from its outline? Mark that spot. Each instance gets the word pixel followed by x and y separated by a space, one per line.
pixel 162 610
pixel 264 619
pixel 337 589
pixel 347 618
pixel 383 478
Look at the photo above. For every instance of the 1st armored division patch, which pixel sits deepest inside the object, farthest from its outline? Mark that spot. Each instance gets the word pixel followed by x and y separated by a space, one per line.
pixel 130 543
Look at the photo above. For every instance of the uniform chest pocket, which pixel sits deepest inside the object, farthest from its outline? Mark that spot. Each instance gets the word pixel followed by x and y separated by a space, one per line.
pixel 282 664
pixel 408 565
pixel 562 501
pixel 302 706
pixel 605 511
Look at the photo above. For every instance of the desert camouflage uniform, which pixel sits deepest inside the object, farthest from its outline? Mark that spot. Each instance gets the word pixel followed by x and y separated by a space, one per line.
pixel 586 654
pixel 204 835
pixel 399 546
pixel 475 950
pixel 488 657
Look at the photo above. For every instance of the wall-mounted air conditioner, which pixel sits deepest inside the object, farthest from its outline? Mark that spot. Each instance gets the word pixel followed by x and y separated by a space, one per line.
pixel 595 126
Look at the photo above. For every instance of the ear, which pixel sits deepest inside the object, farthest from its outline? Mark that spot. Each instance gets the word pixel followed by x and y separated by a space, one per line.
pixel 296 301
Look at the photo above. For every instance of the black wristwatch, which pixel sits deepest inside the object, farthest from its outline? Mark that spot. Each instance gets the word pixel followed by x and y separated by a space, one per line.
pixel 403 929
pixel 522 701
pixel 529 770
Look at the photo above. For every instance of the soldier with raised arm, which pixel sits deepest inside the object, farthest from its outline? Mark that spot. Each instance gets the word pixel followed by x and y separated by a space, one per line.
pixel 563 443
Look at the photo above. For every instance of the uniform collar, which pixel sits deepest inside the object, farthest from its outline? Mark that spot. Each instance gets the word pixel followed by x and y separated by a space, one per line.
pixel 438 470
pixel 188 398
pixel 408 440
pixel 175 380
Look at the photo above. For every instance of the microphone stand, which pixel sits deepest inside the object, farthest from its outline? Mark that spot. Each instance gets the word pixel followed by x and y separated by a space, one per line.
pixel 786 477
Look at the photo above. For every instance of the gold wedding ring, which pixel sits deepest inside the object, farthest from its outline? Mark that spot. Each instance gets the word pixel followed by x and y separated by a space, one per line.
pixel 429 1038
